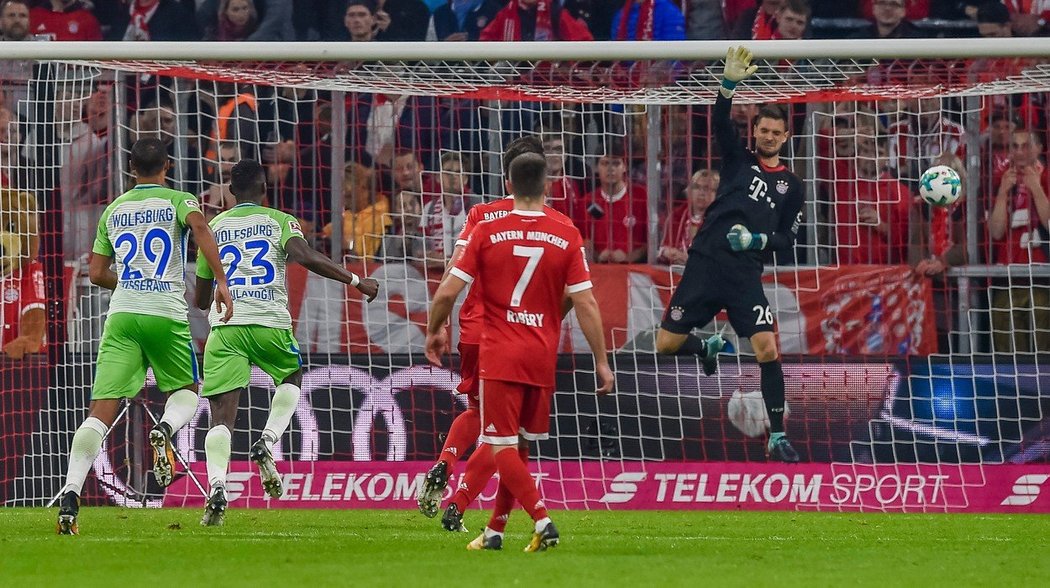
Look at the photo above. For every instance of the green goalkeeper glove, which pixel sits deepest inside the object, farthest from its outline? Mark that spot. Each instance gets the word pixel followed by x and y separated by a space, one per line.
pixel 738 67
pixel 741 239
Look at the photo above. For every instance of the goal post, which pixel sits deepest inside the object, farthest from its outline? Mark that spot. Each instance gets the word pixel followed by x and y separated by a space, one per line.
pixel 913 338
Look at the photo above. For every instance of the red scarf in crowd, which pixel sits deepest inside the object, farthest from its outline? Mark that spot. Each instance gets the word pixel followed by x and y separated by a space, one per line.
pixel 644 29
pixel 763 27
pixel 544 29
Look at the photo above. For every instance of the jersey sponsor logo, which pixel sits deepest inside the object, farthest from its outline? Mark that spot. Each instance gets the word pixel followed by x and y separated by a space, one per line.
pixel 782 186
pixel 491 428
pixel 677 312
pixel 141 217
pixel 756 168
pixel 623 488
pixel 529 319
pixel 1026 489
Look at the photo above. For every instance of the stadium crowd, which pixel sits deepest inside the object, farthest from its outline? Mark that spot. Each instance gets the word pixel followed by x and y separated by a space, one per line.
pixel 414 165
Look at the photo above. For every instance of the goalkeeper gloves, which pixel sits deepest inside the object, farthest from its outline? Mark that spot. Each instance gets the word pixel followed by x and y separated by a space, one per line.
pixel 738 67
pixel 741 239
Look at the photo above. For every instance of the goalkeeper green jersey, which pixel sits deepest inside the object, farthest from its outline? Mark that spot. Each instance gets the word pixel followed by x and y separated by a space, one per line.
pixel 251 241
pixel 145 231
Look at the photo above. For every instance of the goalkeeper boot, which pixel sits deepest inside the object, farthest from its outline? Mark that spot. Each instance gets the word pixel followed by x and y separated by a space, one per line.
pixel 271 479
pixel 712 347
pixel 69 508
pixel 433 488
pixel 780 449
pixel 215 510
pixel 546 538
pixel 482 541
pixel 163 454
pixel 452 520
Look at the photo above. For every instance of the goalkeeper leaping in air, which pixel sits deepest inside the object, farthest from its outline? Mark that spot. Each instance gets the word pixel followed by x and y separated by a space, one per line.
pixel 757 208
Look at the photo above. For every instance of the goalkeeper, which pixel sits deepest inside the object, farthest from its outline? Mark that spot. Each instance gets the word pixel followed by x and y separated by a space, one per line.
pixel 757 208
pixel 255 242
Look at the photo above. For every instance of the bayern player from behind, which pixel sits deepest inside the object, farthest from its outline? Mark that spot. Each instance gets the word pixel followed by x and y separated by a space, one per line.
pixel 144 230
pixel 466 427
pixel 526 262
pixel 757 208
pixel 255 243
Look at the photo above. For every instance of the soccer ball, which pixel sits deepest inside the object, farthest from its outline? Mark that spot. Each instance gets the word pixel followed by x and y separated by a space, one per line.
pixel 940 186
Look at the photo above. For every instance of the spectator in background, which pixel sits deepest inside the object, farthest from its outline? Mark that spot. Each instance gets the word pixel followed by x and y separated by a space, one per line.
pixel 758 22
pixel 407 174
pixel 462 20
pixel 361 21
pixel 565 192
pixel 365 219
pixel 615 222
pixel 535 20
pixel 65 20
pixel 649 20
pixel 14 21
pixel 1019 227
pixel 704 20
pixel 913 9
pixel 888 22
pixel 444 215
pixel 792 20
pixel 871 208
pixel 155 20
pixel 217 197
pixel 597 15
pixel 84 177
pixel 403 240
pixel 1028 18
pixel 993 20
pixel 921 135
pixel 15 73
pixel 235 21
pixel 23 304
pixel 995 155
pixel 685 220
pixel 273 19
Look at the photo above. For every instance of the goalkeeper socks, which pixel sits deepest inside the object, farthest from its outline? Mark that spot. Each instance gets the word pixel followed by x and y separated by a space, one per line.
pixel 462 435
pixel 217 451
pixel 87 442
pixel 773 394
pixel 179 409
pixel 693 345
pixel 515 475
pixel 282 407
pixel 480 468
pixel 504 503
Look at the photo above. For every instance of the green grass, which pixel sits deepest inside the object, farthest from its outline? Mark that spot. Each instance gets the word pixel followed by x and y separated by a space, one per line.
pixel 307 549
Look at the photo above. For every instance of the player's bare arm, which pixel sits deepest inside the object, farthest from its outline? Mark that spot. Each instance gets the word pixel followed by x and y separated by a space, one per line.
pixel 207 247
pixel 440 310
pixel 100 271
pixel 300 252
pixel 590 318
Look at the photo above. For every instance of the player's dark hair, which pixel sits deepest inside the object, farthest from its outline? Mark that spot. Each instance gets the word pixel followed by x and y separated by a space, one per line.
pixel 148 157
pixel 770 111
pixel 248 180
pixel 528 176
pixel 526 144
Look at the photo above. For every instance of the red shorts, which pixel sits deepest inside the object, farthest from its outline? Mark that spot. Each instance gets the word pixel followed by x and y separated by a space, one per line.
pixel 509 409
pixel 468 372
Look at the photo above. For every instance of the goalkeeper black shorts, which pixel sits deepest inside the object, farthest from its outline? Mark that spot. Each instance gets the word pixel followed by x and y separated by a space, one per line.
pixel 708 286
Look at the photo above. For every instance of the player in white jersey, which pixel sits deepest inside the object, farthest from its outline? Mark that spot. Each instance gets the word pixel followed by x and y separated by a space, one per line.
pixel 144 231
pixel 255 243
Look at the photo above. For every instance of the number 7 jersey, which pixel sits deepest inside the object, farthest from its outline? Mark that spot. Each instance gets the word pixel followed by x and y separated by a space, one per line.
pixel 251 240
pixel 145 231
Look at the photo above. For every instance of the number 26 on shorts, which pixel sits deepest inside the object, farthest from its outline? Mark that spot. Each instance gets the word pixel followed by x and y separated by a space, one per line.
pixel 764 316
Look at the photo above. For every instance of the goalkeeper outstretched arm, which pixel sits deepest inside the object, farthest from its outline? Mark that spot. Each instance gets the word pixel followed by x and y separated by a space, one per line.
pixel 738 68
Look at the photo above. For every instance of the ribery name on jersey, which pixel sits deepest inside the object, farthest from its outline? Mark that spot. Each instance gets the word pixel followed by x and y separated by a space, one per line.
pixel 141 217
pixel 231 235
pixel 524 317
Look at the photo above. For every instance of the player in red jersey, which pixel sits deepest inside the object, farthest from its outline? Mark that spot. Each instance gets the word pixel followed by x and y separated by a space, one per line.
pixel 465 429
pixel 526 262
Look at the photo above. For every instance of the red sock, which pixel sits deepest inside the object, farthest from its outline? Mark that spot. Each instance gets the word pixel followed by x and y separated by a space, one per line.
pixel 462 435
pixel 480 468
pixel 516 476
pixel 505 500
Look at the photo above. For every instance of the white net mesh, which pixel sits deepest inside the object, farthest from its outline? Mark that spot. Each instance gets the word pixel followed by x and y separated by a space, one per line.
pixel 902 387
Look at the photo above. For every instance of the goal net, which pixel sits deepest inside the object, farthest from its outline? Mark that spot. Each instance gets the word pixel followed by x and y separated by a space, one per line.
pixel 915 339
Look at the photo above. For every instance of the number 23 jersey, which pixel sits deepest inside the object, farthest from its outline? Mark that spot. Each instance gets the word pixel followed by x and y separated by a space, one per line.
pixel 251 240
pixel 524 263
pixel 145 231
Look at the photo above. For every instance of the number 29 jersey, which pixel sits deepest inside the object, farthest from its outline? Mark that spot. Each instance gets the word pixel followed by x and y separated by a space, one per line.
pixel 144 230
pixel 524 263
pixel 251 240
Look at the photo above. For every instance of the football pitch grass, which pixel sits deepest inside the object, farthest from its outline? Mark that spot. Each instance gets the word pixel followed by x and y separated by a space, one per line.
pixel 310 548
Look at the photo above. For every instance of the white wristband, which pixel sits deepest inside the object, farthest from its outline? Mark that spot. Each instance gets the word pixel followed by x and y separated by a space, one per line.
pixel 356 280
